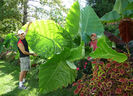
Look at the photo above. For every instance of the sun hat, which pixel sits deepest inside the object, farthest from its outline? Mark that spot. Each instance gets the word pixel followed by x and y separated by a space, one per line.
pixel 20 32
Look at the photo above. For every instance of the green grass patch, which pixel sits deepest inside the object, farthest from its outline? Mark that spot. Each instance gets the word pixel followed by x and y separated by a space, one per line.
pixel 9 79
pixel 9 75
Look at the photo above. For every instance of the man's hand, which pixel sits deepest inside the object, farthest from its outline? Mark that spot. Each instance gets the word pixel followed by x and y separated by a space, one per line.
pixel 35 54
pixel 30 23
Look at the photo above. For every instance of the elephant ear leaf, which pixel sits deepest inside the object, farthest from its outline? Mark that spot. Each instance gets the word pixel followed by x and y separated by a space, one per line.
pixel 43 37
pixel 120 6
pixel 111 17
pixel 90 23
pixel 130 1
pixel 72 20
pixel 104 51
pixel 77 53
pixel 56 73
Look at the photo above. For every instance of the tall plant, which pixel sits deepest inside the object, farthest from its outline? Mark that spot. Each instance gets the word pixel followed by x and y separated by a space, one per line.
pixel 123 12
pixel 44 37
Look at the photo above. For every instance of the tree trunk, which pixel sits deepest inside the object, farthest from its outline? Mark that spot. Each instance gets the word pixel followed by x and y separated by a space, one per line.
pixel 25 13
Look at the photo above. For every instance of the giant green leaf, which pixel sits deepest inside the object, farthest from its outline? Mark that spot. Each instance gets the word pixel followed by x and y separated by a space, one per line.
pixel 104 51
pixel 90 23
pixel 72 20
pixel 43 37
pixel 111 17
pixel 120 6
pixel 77 53
pixel 129 6
pixel 55 73
pixel 130 1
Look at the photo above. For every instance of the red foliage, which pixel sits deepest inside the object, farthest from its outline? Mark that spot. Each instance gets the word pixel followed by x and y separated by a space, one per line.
pixel 126 30
pixel 109 79
pixel 118 91
pixel 76 91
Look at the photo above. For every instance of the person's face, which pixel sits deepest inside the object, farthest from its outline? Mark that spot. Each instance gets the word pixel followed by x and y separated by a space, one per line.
pixel 21 36
pixel 93 38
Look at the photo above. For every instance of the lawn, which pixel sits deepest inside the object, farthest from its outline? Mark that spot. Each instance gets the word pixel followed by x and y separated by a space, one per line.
pixel 9 74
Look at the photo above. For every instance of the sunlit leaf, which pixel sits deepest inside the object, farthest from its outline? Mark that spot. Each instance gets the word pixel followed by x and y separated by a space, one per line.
pixel 104 51
pixel 56 73
pixel 72 19
pixel 43 37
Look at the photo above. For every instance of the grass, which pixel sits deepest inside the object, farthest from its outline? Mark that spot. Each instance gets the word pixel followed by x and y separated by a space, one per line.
pixel 9 74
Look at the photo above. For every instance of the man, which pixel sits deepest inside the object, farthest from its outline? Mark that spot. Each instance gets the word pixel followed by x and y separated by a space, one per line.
pixel 24 56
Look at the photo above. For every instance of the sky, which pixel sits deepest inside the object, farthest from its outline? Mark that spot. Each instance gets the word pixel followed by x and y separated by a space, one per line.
pixel 66 3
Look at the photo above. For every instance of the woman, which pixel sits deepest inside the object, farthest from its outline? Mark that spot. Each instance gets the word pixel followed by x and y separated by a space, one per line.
pixel 93 43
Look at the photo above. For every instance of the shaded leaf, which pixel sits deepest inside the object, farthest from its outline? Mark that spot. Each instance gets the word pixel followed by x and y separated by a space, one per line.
pixel 55 73
pixel 112 16
pixel 90 23
pixel 130 1
pixel 130 6
pixel 120 6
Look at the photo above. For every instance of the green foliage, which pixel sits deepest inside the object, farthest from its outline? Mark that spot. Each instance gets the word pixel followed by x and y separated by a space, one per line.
pixel 57 73
pixel 55 12
pixel 130 1
pixel 109 78
pixel 9 26
pixel 104 51
pixel 112 16
pixel 9 10
pixel 120 5
pixel 77 53
pixel 72 20
pixel 45 36
pixel 67 39
pixel 101 6
pixel 90 23
pixel 122 9
pixel 130 6
pixel 10 42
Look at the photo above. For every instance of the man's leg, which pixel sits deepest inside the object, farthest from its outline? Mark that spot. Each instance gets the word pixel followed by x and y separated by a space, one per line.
pixel 21 76
pixel 25 73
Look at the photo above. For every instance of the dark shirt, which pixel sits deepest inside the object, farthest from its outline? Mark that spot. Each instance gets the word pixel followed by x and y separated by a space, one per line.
pixel 24 42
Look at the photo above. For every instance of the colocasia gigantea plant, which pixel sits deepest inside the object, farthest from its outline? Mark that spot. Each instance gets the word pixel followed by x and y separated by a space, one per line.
pixel 63 46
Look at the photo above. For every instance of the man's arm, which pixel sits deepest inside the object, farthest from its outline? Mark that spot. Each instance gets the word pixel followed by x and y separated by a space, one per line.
pixel 27 28
pixel 22 49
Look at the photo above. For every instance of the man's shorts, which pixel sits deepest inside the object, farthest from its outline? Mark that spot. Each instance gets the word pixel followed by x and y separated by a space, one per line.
pixel 24 63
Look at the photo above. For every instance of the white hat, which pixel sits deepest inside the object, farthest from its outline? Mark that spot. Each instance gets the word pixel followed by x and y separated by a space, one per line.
pixel 20 32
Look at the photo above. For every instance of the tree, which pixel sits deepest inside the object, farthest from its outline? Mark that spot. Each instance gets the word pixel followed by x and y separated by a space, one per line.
pixel 25 13
pixel 9 9
pixel 10 16
pixel 101 6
